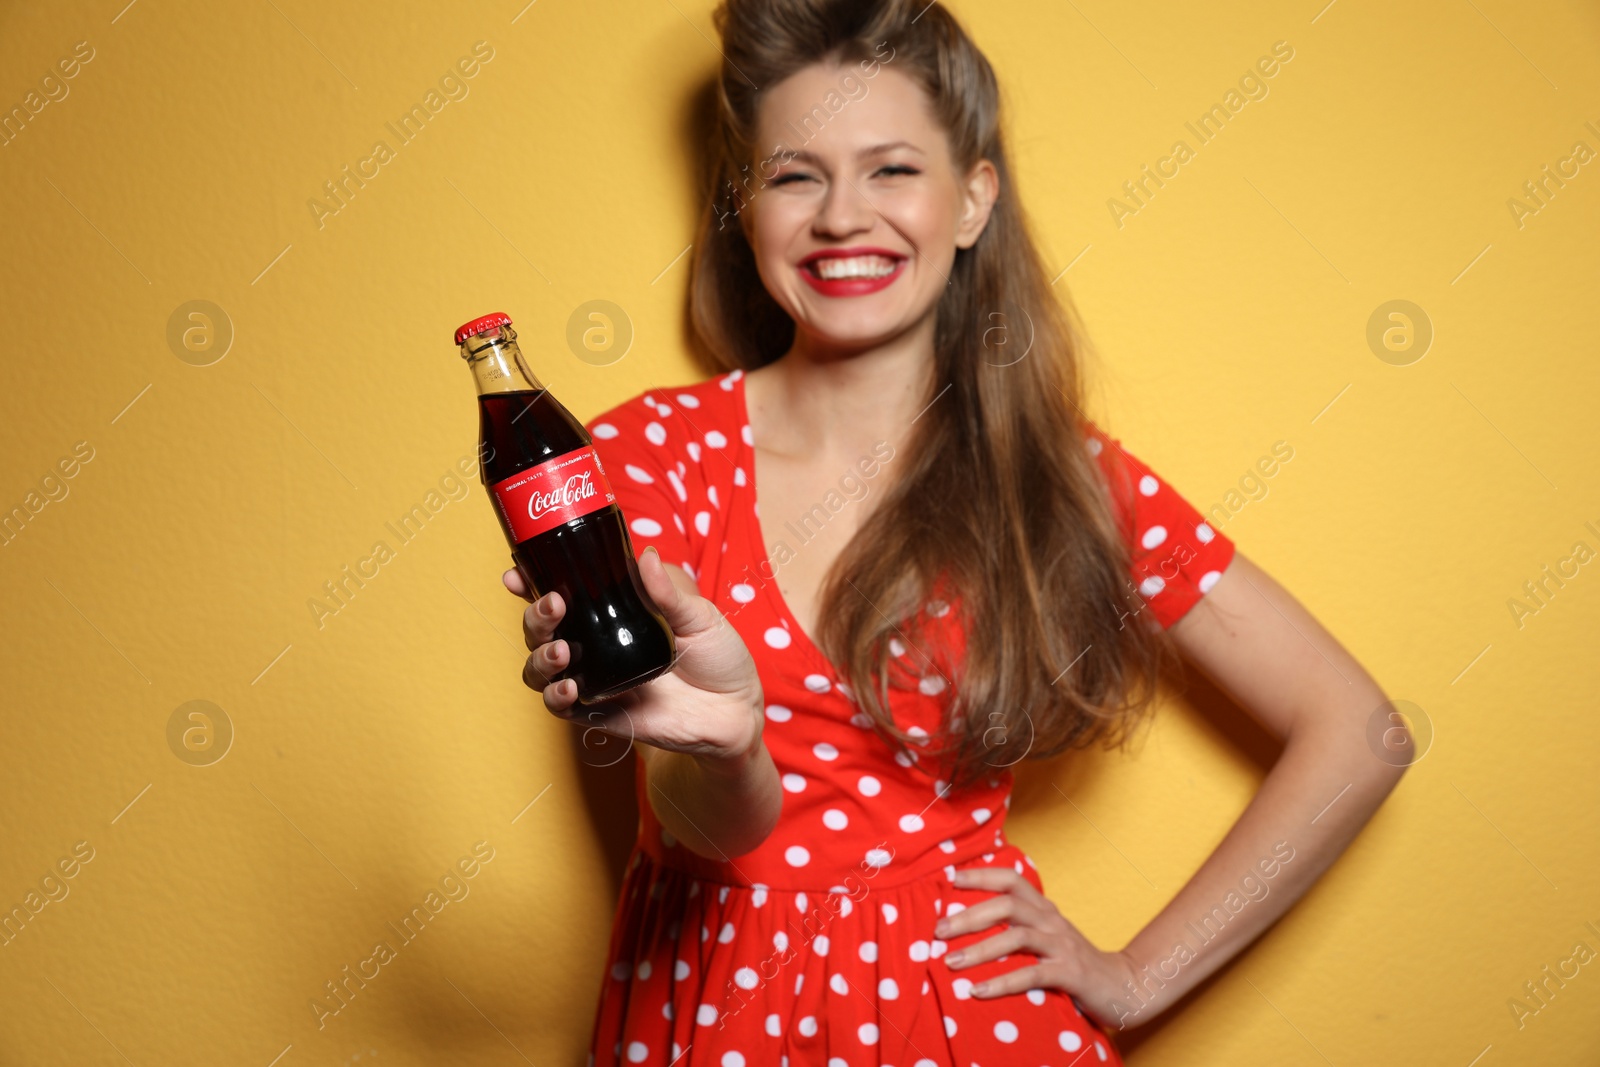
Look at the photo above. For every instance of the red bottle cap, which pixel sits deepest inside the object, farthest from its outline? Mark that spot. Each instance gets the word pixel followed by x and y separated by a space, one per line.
pixel 482 325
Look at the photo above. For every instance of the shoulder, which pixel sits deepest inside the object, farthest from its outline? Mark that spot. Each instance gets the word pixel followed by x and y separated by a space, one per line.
pixel 685 413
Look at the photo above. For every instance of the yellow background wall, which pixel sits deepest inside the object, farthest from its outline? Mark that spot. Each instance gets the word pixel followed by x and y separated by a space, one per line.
pixel 371 752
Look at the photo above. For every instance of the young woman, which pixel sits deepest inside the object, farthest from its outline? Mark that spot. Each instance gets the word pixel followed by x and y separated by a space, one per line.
pixel 898 558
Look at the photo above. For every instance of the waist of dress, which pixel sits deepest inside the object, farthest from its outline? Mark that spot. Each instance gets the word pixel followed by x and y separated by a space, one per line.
pixel 824 874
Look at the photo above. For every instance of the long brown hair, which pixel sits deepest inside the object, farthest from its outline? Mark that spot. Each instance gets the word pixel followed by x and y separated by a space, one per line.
pixel 998 498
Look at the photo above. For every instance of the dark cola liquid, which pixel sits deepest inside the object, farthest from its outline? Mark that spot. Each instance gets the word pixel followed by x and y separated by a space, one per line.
pixel 617 636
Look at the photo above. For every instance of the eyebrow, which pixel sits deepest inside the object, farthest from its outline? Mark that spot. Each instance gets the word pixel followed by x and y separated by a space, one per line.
pixel 877 149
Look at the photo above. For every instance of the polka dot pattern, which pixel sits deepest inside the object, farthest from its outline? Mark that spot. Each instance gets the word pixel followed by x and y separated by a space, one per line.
pixel 779 954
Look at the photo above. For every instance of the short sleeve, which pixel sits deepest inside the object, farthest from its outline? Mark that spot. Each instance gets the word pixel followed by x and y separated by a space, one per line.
pixel 1176 555
pixel 646 472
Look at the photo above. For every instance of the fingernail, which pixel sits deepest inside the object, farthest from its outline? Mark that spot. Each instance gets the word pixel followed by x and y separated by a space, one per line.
pixel 941 928
pixel 980 989
pixel 954 959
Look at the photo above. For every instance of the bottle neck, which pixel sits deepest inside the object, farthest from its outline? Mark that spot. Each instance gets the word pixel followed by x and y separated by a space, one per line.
pixel 497 364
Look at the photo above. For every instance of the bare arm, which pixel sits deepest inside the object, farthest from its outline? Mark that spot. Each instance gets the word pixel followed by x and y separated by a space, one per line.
pixel 1260 646
pixel 711 782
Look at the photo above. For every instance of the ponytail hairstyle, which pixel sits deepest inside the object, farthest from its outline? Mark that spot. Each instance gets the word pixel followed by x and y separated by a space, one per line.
pixel 999 503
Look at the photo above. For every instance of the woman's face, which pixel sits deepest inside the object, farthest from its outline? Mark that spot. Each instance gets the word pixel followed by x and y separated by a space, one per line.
pixel 861 211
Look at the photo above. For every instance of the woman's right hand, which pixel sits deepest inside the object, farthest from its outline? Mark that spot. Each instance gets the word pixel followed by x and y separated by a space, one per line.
pixel 709 704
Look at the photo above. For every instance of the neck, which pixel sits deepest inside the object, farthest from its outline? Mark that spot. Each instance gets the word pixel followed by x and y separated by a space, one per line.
pixel 499 368
pixel 820 400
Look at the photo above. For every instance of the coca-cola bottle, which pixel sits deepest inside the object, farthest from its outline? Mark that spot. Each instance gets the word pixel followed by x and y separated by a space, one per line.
pixel 558 513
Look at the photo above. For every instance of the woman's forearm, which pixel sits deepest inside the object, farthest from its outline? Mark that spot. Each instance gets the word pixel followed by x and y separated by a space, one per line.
pixel 717 807
pixel 1319 794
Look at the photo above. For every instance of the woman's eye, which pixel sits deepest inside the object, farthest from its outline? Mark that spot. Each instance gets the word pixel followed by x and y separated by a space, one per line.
pixel 896 168
pixel 784 179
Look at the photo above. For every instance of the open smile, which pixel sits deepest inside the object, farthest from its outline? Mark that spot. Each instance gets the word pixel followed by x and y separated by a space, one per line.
pixel 851 271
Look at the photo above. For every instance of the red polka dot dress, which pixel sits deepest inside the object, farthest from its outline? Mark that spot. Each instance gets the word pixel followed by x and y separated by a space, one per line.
pixel 818 946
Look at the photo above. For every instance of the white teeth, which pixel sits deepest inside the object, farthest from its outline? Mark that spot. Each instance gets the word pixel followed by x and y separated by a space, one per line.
pixel 855 267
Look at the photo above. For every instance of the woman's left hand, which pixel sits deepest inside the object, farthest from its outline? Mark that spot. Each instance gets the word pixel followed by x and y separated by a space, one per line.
pixel 1096 980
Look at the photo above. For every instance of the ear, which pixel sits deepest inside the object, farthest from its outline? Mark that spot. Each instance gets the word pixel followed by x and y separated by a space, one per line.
pixel 979 192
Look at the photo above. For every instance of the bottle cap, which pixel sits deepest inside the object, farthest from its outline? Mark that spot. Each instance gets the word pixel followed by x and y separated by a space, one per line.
pixel 482 325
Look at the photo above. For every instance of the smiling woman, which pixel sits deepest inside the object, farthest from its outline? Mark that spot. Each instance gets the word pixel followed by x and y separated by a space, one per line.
pixel 822 873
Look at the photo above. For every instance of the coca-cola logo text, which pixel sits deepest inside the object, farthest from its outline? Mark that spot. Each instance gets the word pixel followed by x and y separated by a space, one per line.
pixel 576 488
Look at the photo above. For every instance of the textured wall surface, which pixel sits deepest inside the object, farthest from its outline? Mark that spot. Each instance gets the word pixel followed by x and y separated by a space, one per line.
pixel 224 386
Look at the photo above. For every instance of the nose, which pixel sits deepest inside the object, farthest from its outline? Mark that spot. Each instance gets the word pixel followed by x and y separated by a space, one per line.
pixel 844 210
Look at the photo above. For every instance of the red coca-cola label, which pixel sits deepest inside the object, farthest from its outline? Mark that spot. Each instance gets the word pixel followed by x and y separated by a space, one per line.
pixel 557 491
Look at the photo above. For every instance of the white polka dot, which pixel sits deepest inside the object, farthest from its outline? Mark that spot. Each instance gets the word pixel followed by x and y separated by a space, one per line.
pixel 716 439
pixel 776 637
pixel 796 856
pixel 746 436
pixel 1005 1031
pixel 1100 1050
pixel 834 819
pixel 1151 586
pixel 888 989
pixel 824 751
pixel 1094 446
pixel 817 683
pixel 947 846
pixel 1035 997
pixel 705 1015
pixel 949 1027
pixel 743 592
pixel 604 430
pixel 1209 579
pixel 962 988
pixel 896 649
pixel 746 978
pixel 680 971
pixel 981 815
pixel 861 719
pixel 1148 486
pixel 637 1051
pixel 656 433
pixel 1153 536
pixel 620 970
pixel 638 474
pixel 780 941
pixel 711 495
pixel 702 522
pixel 919 951
pixel 938 609
pixel 774 1025
pixel 799 902
pixel 677 520
pixel 1069 1040
pixel 1204 533
pixel 890 913
pixel 808 1026
pixel 688 400
pixel 905 759
pixel 645 527
pixel 819 944
pixel 794 783
pixel 878 857
pixel 677 485
pixel 694 451
pixel 956 908
pixel 838 984
pixel 733 1059
pixel 868 1033
pixel 931 685
pixel 738 476
pixel 910 823
pixel 726 934
pixel 778 713
pixel 668 1012
pixel 869 786
pixel 868 951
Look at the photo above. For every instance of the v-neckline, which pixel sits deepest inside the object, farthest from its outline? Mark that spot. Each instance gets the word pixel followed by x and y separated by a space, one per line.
pixel 764 563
